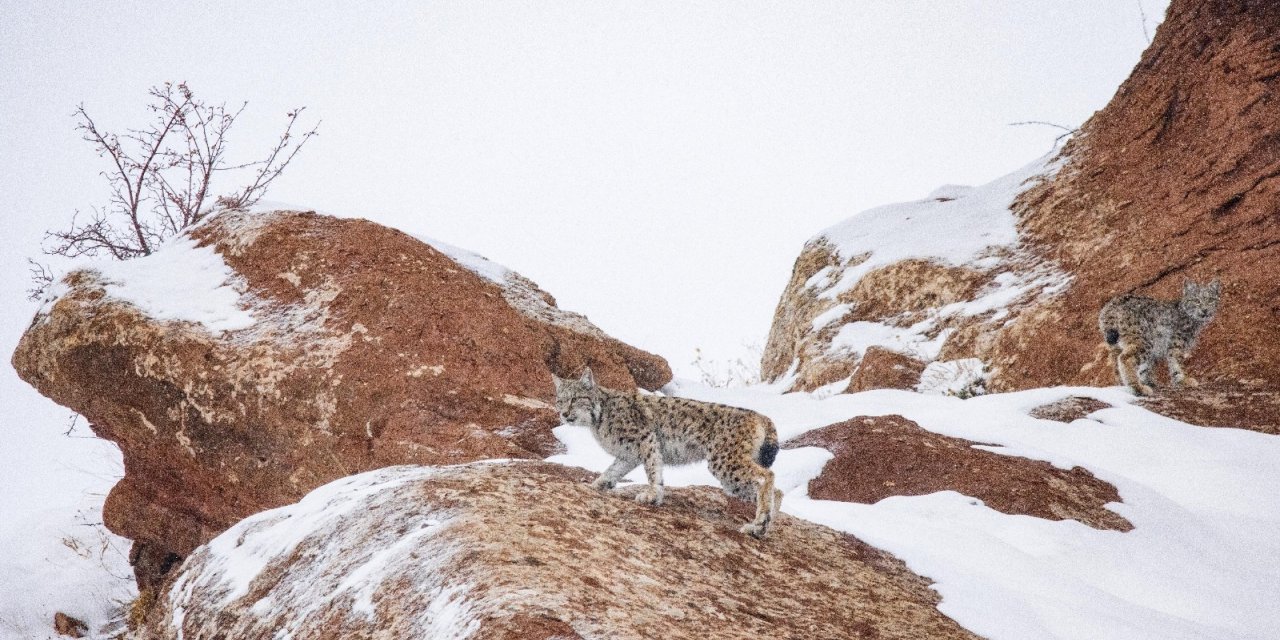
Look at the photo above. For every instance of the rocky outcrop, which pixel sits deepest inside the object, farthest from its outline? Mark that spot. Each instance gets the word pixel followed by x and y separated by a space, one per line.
pixel 530 550
pixel 264 354
pixel 880 368
pixel 884 456
pixel 1178 177
pixel 1251 407
pixel 1068 409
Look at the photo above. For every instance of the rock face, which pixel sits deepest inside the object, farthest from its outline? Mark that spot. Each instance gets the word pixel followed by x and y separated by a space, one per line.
pixel 880 368
pixel 876 458
pixel 1255 408
pixel 529 550
pixel 264 354
pixel 1178 177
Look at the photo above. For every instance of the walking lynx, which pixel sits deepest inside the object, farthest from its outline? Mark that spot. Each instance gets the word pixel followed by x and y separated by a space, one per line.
pixel 738 444
pixel 1141 331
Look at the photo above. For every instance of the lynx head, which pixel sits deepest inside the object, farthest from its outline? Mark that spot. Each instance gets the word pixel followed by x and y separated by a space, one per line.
pixel 578 401
pixel 1200 301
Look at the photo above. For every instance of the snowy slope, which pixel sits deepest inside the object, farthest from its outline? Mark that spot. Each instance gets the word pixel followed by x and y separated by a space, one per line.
pixel 1202 560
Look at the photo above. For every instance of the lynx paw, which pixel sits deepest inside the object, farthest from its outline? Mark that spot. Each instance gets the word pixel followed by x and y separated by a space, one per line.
pixel 649 495
pixel 602 484
pixel 754 530
pixel 1143 389
pixel 1188 381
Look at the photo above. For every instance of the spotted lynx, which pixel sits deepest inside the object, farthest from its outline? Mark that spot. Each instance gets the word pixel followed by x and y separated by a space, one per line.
pixel 1141 331
pixel 738 444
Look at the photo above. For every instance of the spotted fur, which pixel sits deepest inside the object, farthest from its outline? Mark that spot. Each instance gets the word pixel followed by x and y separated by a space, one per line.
pixel 739 445
pixel 1141 331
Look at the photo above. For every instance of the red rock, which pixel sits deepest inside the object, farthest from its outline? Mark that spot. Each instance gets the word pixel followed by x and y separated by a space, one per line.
pixel 879 457
pixel 1177 178
pixel 370 348
pixel 529 550
pixel 880 368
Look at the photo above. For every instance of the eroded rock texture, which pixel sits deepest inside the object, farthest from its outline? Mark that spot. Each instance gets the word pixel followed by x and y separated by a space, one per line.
pixel 530 550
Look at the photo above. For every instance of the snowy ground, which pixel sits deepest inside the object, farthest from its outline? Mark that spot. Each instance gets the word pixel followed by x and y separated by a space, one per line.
pixel 56 555
pixel 1202 561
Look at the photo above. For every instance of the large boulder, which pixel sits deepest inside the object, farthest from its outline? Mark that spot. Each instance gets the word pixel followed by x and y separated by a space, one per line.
pixel 529 550
pixel 879 457
pixel 1177 178
pixel 261 355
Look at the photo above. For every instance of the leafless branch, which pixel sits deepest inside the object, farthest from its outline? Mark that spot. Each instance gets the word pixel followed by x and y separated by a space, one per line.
pixel 160 177
pixel 1068 130
pixel 41 279
pixel 1142 11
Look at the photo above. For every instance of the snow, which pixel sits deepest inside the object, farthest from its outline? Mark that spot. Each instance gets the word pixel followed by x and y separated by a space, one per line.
pixel 953 377
pixel 857 337
pixel 955 231
pixel 1201 562
pixel 179 282
pixel 357 558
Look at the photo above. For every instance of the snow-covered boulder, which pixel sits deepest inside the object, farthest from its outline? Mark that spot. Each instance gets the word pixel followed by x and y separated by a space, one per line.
pixel 1175 179
pixel 530 550
pixel 884 456
pixel 263 354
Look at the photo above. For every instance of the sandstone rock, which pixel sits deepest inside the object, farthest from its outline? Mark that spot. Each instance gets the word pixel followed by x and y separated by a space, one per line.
pixel 1178 177
pixel 1068 409
pixel 66 625
pixel 880 368
pixel 1256 408
pixel 876 458
pixel 261 355
pixel 529 550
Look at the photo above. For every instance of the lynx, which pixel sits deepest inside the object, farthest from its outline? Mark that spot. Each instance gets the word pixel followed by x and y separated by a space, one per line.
pixel 1141 331
pixel 739 445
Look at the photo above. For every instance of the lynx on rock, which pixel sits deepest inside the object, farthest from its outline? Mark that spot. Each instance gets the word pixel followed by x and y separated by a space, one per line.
pixel 738 444
pixel 1141 331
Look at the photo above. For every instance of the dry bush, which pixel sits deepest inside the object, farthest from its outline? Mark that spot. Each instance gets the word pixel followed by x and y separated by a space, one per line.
pixel 162 177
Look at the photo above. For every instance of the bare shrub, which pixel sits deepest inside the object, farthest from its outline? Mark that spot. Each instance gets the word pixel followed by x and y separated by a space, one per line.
pixel 738 372
pixel 162 176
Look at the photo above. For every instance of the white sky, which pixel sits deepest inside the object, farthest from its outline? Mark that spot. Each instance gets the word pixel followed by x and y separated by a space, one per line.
pixel 655 165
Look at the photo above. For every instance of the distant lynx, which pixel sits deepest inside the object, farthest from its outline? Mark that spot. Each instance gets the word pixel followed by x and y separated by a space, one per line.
pixel 1141 331
pixel 738 444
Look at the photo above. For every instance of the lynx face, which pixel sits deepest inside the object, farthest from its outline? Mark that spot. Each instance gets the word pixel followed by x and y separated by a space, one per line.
pixel 1200 301
pixel 578 401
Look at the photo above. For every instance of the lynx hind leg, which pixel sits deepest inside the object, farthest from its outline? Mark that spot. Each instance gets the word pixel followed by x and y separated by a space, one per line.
pixel 1177 374
pixel 1113 357
pixel 742 477
pixel 1129 368
pixel 767 500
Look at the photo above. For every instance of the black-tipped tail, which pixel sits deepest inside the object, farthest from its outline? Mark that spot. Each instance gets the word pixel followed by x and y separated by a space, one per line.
pixel 768 453
pixel 1111 336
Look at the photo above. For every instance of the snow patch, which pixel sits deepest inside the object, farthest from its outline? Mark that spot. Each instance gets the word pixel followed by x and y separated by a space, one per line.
pixel 179 282
pixel 954 231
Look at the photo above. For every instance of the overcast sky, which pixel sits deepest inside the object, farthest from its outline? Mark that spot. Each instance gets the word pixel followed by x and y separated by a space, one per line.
pixel 655 165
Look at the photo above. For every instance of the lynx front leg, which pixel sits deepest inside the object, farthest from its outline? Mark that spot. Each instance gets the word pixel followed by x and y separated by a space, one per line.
pixel 1176 372
pixel 651 452
pixel 620 467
